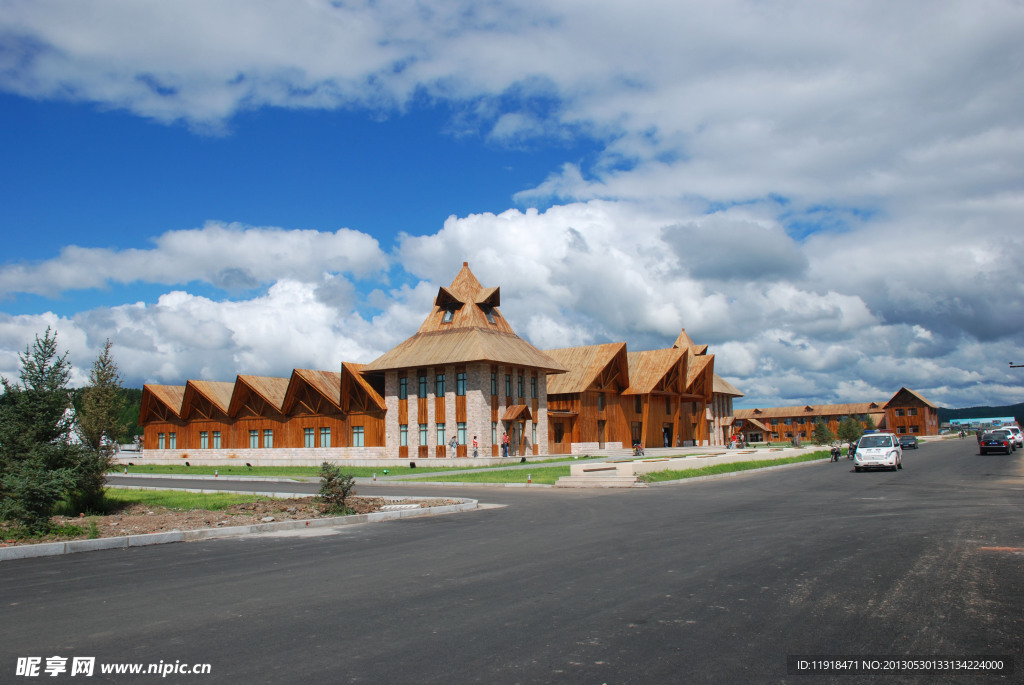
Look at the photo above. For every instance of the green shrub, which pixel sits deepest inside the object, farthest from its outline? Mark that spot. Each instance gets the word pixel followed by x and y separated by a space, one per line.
pixel 335 488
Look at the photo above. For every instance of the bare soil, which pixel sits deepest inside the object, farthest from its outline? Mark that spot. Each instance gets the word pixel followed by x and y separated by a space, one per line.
pixel 139 519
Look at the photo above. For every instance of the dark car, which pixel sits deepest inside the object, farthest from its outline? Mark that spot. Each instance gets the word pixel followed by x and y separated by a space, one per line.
pixel 996 441
pixel 908 442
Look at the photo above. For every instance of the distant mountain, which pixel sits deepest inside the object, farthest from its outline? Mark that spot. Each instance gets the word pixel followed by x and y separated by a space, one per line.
pixel 1014 410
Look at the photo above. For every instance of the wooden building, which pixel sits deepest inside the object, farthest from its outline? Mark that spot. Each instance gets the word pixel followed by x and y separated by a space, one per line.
pixel 905 412
pixel 465 374
pixel 610 397
pixel 337 413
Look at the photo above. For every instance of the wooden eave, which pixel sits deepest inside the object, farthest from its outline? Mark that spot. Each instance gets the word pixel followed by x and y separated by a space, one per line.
pixel 591 367
pixel 357 395
pixel 169 398
pixel 207 399
pixel 258 394
pixel 318 391
pixel 517 412
pixel 464 346
pixel 724 387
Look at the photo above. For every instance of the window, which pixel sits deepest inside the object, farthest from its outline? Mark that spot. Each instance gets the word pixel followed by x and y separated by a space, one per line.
pixel 489 313
pixel 789 434
pixel 172 441
pixel 216 440
pixel 534 434
pixel 268 438
pixel 903 429
pixel 254 439
pixel 449 314
pixel 439 384
pixel 462 432
pixel 308 437
pixel 325 437
pixel 460 383
pixel 423 386
pixel 789 422
pixel 600 401
pixel 912 411
pixel 914 429
pixel 494 432
pixel 204 440
pixel 357 436
pixel 519 385
pixel 160 441
pixel 494 383
pixel 508 385
pixel 775 436
pixel 423 434
pixel 899 412
pixel 533 387
pixel 638 404
pixel 441 439
pixel 403 388
pixel 403 435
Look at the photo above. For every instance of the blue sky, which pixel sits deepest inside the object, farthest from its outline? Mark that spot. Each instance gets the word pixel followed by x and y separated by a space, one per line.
pixel 810 188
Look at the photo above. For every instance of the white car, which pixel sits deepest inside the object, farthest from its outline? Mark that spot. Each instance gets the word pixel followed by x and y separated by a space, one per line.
pixel 878 451
pixel 1018 436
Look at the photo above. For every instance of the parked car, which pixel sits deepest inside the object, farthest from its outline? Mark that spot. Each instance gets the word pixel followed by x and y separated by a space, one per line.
pixel 908 442
pixel 996 441
pixel 878 451
pixel 1017 434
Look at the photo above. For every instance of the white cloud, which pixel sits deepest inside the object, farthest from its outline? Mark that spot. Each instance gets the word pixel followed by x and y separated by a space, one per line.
pixel 228 256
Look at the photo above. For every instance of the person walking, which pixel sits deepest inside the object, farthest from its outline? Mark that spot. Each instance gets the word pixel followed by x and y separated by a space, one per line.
pixel 476 446
pixel 504 444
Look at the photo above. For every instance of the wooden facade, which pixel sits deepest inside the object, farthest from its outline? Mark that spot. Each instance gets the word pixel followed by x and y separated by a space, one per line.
pixel 310 409
pixel 906 412
pixel 612 397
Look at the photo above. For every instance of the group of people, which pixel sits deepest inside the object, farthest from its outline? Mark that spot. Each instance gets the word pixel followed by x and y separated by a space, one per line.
pixel 506 445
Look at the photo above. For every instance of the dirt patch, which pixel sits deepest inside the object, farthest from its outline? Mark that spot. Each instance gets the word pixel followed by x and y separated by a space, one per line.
pixel 139 519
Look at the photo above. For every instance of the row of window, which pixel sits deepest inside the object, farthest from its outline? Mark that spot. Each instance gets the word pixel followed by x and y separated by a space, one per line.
pixel 210 440
pixel 912 411
pixel 442 433
pixel 460 385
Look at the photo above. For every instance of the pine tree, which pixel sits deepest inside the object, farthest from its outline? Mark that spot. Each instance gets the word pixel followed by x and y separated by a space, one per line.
pixel 38 460
pixel 822 433
pixel 100 425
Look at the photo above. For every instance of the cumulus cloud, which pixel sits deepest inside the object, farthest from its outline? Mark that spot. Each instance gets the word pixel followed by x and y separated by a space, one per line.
pixel 227 256
pixel 828 193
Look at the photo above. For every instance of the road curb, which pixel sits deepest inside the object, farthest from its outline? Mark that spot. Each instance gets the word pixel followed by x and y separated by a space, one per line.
pixel 49 549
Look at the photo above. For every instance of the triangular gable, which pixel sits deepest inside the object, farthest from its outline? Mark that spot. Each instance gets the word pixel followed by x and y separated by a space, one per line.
pixel 656 370
pixel 700 375
pixel 602 367
pixel 161 402
pixel 903 394
pixel 313 392
pixel 258 396
pixel 206 399
pixel 724 387
pixel 357 395
pixel 683 342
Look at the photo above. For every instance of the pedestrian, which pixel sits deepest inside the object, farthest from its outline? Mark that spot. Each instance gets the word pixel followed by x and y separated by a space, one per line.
pixel 504 444
pixel 476 446
pixel 454 443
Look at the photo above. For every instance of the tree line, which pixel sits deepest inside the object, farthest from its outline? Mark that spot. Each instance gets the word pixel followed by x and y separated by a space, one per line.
pixel 54 449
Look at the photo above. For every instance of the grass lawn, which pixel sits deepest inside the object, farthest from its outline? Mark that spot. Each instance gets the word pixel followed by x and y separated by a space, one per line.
pixel 662 476
pixel 314 471
pixel 546 475
pixel 175 499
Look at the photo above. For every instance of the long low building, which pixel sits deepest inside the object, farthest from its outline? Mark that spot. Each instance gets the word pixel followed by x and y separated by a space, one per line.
pixel 464 376
pixel 906 412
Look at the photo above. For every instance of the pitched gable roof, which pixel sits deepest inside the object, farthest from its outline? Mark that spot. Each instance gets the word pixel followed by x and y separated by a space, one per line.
pixel 907 391
pixel 169 397
pixel 724 387
pixel 464 326
pixel 585 365
pixel 647 369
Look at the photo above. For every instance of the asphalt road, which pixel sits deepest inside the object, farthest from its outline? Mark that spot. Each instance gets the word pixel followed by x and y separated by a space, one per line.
pixel 716 582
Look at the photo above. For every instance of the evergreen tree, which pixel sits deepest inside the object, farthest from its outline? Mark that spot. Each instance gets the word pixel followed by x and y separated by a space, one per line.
pixel 38 460
pixel 850 430
pixel 100 425
pixel 822 433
